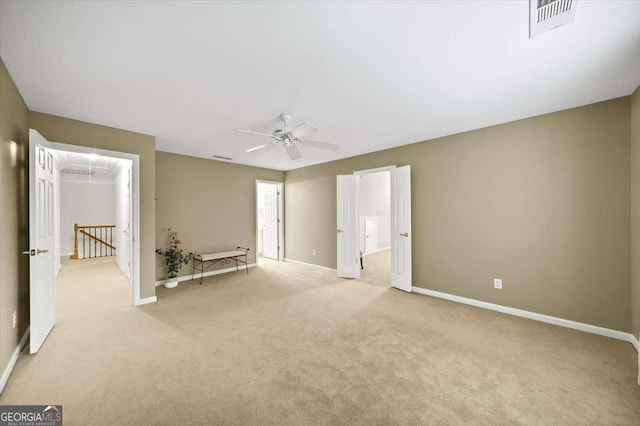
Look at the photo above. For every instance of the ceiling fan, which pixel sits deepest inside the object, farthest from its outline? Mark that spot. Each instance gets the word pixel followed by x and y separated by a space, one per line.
pixel 291 138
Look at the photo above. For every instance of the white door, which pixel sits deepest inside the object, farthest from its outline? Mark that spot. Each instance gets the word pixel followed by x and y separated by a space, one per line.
pixel 371 234
pixel 401 228
pixel 42 281
pixel 270 230
pixel 348 253
pixel 127 243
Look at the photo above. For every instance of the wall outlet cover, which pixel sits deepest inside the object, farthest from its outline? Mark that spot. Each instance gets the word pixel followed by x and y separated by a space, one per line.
pixel 497 283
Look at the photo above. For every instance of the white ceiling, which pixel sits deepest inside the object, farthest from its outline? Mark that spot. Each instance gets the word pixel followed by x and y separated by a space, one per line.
pixel 370 75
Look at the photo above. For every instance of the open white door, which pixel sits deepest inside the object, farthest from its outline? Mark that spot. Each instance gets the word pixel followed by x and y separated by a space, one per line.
pixel 270 229
pixel 42 280
pixel 128 242
pixel 348 255
pixel 401 228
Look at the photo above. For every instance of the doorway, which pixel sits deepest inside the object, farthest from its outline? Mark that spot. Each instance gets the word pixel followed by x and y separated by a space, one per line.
pixel 93 194
pixel 374 219
pixel 45 223
pixel 353 227
pixel 269 220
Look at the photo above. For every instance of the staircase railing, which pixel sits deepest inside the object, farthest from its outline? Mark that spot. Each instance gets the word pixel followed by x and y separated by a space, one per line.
pixel 97 241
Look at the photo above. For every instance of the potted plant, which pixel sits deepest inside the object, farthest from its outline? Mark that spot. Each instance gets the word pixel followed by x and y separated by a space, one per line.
pixel 174 257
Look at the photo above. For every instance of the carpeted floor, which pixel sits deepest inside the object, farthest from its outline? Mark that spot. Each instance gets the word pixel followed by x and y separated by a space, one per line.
pixel 293 344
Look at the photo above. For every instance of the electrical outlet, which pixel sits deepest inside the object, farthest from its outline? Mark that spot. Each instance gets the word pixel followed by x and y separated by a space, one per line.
pixel 314 252
pixel 15 318
pixel 497 283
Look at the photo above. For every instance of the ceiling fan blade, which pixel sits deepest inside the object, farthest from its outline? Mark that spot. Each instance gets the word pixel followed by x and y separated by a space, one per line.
pixel 253 133
pixel 303 130
pixel 255 148
pixel 293 151
pixel 321 145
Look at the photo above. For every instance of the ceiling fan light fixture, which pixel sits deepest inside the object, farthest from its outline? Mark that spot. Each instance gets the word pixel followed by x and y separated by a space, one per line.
pixel 286 117
pixel 291 138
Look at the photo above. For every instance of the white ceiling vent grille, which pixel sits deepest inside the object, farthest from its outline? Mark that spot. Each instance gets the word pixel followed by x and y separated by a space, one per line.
pixel 546 15
pixel 78 172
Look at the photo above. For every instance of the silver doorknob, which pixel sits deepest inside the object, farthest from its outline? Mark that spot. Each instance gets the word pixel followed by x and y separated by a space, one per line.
pixel 26 252
pixel 39 251
pixel 340 230
pixel 406 234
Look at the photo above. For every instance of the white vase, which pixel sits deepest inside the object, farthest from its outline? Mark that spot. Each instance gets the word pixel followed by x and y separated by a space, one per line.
pixel 171 282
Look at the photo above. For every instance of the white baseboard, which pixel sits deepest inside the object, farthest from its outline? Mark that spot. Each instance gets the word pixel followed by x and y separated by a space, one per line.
pixel 286 259
pixel 367 253
pixel 615 334
pixel 635 343
pixel 12 362
pixel 146 301
pixel 207 274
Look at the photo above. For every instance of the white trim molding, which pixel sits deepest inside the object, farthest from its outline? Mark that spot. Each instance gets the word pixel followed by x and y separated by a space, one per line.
pixel 207 274
pixel 367 253
pixel 286 259
pixel 146 301
pixel 12 362
pixel 614 334
pixel 636 344
pixel 376 170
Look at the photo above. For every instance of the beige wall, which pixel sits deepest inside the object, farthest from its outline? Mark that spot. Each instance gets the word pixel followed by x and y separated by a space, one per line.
pixel 542 203
pixel 14 227
pixel 65 130
pixel 210 203
pixel 635 213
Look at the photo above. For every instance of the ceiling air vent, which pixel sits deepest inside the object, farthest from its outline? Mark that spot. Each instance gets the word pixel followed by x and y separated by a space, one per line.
pixel 221 157
pixel 78 172
pixel 546 15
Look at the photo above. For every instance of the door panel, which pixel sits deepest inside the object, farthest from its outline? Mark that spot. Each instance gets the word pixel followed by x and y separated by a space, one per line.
pixel 371 234
pixel 348 265
pixel 42 282
pixel 270 230
pixel 401 271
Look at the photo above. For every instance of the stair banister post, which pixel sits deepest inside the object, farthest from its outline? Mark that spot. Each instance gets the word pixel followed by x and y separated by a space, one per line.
pixel 75 242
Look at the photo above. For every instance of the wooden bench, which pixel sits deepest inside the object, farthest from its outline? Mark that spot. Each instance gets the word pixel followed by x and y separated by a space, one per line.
pixel 202 262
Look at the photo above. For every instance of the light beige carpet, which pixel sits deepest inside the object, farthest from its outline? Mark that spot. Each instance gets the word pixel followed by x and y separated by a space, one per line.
pixel 292 344
pixel 377 268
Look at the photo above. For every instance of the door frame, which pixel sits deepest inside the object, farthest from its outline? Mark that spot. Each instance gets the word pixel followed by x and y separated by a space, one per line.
pixel 135 206
pixel 280 186
pixel 368 171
